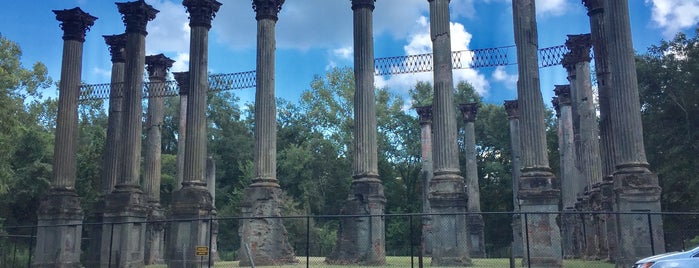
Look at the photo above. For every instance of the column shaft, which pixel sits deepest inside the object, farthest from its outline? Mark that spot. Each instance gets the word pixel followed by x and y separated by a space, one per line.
pixel 133 94
pixel 154 120
pixel 66 144
pixel 112 154
pixel 265 106
pixel 182 79
pixel 636 187
pixel 538 190
pixel 195 143
pixel 512 109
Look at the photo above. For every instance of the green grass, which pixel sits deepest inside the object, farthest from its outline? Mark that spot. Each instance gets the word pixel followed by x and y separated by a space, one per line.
pixel 392 261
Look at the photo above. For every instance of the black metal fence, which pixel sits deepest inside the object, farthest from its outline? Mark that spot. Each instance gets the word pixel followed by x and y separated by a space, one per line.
pixel 313 239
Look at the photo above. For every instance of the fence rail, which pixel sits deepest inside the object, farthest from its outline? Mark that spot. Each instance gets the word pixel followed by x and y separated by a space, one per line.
pixel 463 59
pixel 313 238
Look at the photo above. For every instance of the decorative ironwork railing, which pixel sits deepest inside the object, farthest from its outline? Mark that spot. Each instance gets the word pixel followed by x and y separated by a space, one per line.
pixel 464 59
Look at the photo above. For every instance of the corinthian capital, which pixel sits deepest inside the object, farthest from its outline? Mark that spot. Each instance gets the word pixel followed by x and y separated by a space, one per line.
pixel 75 23
pixel 201 12
pixel 579 46
pixel 363 4
pixel 267 9
pixel 136 15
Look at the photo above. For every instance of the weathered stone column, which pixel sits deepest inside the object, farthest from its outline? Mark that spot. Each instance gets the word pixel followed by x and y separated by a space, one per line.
pixel 61 205
pixel 111 158
pixel 636 187
pixel 475 221
pixel 569 174
pixel 265 237
pixel 126 206
pixel 193 200
pixel 598 32
pixel 362 240
pixel 182 79
pixel 425 115
pixel 157 67
pixel 211 186
pixel 447 187
pixel 538 190
pixel 512 109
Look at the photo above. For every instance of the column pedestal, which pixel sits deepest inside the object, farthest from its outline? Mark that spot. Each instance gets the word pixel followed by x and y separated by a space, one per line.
pixel 265 237
pixel 543 236
pixel 155 234
pixel 125 227
pixel 451 249
pixel 192 202
pixel 60 211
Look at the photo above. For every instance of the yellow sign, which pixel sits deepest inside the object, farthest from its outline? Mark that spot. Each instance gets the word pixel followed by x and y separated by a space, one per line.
pixel 202 251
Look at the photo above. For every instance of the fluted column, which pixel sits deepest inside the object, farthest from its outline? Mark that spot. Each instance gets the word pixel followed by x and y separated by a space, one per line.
pixel 362 240
pixel 569 173
pixel 538 190
pixel 182 79
pixel 127 204
pixel 193 200
pixel 447 187
pixel 61 205
pixel 512 109
pixel 425 116
pixel 475 221
pixel 263 197
pixel 111 158
pixel 157 66
pixel 635 186
pixel 598 33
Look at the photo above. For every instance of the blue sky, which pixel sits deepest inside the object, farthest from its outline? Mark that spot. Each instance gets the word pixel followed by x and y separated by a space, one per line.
pixel 315 35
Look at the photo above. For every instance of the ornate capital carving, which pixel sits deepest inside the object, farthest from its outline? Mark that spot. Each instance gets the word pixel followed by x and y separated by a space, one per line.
pixel 424 114
pixel 356 4
pixel 267 9
pixel 201 12
pixel 182 79
pixel 75 23
pixel 593 6
pixel 556 106
pixel 157 65
pixel 512 108
pixel 117 46
pixel 136 15
pixel 579 46
pixel 469 111
pixel 563 94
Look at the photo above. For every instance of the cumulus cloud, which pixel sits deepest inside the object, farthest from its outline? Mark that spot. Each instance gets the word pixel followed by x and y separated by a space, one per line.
pixel 169 32
pixel 551 7
pixel 419 43
pixel 501 75
pixel 674 15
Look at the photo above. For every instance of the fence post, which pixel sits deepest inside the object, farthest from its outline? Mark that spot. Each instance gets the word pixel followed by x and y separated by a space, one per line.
pixel 308 240
pixel 32 234
pixel 410 225
pixel 211 235
pixel 650 232
pixel 526 231
pixel 111 242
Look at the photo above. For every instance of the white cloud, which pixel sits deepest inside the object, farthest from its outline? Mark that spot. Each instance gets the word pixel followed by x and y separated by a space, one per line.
pixel 103 73
pixel 551 7
pixel 181 63
pixel 169 32
pixel 420 42
pixel 509 80
pixel 674 15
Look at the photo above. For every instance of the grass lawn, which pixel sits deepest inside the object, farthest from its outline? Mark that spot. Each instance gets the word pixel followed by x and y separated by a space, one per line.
pixel 392 261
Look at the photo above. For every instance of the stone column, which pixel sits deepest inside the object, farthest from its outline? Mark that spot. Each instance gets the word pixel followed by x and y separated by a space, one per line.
pixel 126 206
pixel 512 109
pixel 538 190
pixel 475 221
pixel 61 205
pixel 446 193
pixel 182 79
pixel 111 157
pixel 193 200
pixel 265 237
pixel 569 174
pixel 157 67
pixel 598 32
pixel 362 240
pixel 211 186
pixel 425 115
pixel 636 187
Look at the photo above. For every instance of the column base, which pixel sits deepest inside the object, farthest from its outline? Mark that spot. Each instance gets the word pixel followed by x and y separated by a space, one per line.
pixel 94 233
pixel 427 239
pixel 191 208
pixel 539 193
pixel 266 238
pixel 477 236
pixel 155 234
pixel 447 197
pixel 569 228
pixel 362 240
pixel 517 235
pixel 638 192
pixel 124 228
pixel 59 206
